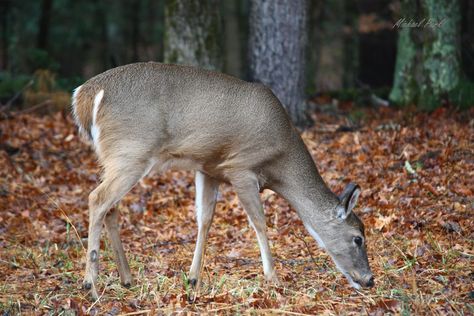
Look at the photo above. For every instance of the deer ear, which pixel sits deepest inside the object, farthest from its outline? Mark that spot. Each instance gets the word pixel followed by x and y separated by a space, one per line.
pixel 348 199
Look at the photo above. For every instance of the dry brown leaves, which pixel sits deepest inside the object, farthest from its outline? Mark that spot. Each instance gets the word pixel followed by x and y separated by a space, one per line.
pixel 417 175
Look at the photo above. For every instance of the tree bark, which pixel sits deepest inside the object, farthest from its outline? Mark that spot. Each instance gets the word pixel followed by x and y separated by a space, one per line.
pixel 313 50
pixel 335 45
pixel 330 65
pixel 428 55
pixel 467 42
pixel 192 32
pixel 103 44
pixel 135 26
pixel 232 38
pixel 351 44
pixel 4 13
pixel 277 44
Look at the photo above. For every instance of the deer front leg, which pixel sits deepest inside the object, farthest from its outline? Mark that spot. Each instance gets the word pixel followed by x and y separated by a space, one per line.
pixel 247 190
pixel 206 195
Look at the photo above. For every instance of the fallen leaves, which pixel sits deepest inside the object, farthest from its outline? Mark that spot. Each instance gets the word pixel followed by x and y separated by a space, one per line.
pixel 417 179
pixel 384 221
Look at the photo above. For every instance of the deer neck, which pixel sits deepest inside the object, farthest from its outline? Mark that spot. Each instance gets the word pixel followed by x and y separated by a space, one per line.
pixel 300 183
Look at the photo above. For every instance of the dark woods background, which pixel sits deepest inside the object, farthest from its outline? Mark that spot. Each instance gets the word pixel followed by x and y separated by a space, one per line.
pixel 390 113
pixel 347 49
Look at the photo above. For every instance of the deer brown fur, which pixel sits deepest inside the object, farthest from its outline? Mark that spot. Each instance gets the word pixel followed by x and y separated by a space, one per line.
pixel 227 130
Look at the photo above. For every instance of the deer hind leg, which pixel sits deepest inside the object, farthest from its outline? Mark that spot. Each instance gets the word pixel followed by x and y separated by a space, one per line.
pixel 120 175
pixel 112 227
pixel 206 196
pixel 248 192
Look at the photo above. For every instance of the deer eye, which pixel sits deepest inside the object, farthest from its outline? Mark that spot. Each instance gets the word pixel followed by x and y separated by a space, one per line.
pixel 358 241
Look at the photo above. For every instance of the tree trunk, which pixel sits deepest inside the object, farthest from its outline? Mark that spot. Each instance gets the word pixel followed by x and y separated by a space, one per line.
pixel 103 43
pixel 44 21
pixel 277 44
pixel 467 42
pixel 335 45
pixel 314 44
pixel 160 49
pixel 351 44
pixel 232 38
pixel 330 66
pixel 4 14
pixel 192 32
pixel 135 26
pixel 428 55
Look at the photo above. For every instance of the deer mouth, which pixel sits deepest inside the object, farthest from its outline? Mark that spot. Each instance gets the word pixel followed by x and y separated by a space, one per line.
pixel 360 283
pixel 356 280
pixel 355 284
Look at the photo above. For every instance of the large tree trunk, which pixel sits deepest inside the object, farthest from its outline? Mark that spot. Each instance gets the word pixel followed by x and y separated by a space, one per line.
pixel 278 36
pixel 192 33
pixel 428 55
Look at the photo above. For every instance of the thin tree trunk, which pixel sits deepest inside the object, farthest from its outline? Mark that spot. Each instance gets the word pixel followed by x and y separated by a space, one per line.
pixel 351 44
pixel 160 50
pixel 135 29
pixel 330 66
pixel 428 56
pixel 335 45
pixel 467 40
pixel 192 33
pixel 103 45
pixel 44 21
pixel 5 8
pixel 314 43
pixel 277 44
pixel 232 38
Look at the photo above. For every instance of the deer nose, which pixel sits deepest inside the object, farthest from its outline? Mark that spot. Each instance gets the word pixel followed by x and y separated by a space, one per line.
pixel 371 282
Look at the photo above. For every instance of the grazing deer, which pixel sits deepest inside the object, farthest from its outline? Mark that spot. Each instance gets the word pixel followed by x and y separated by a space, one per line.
pixel 227 130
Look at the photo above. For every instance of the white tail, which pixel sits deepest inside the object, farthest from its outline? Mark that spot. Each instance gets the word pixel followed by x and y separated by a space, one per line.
pixel 228 130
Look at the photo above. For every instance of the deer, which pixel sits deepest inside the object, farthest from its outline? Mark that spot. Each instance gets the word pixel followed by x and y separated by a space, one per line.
pixel 163 116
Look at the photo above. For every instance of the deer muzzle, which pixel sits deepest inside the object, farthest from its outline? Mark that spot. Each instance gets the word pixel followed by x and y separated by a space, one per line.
pixel 365 280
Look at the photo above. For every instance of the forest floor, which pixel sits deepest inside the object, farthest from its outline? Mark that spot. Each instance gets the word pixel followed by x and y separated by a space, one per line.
pixel 417 177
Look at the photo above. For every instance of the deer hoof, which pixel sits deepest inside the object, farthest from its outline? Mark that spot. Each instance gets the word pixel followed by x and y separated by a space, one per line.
pixel 127 285
pixel 87 285
pixel 193 282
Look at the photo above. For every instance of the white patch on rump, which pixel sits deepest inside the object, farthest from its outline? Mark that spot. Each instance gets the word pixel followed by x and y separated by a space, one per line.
pixel 95 130
pixel 74 110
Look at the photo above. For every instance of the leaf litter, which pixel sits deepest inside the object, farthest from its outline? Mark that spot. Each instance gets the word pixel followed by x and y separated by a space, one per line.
pixel 417 205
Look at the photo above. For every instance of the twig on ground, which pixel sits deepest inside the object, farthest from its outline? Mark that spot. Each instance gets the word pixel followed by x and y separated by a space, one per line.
pixel 16 266
pixel 307 247
pixel 35 107
pixel 15 97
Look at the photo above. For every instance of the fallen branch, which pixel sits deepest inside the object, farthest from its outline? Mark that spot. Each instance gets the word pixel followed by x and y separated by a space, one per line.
pixel 35 107
pixel 377 101
pixel 15 97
